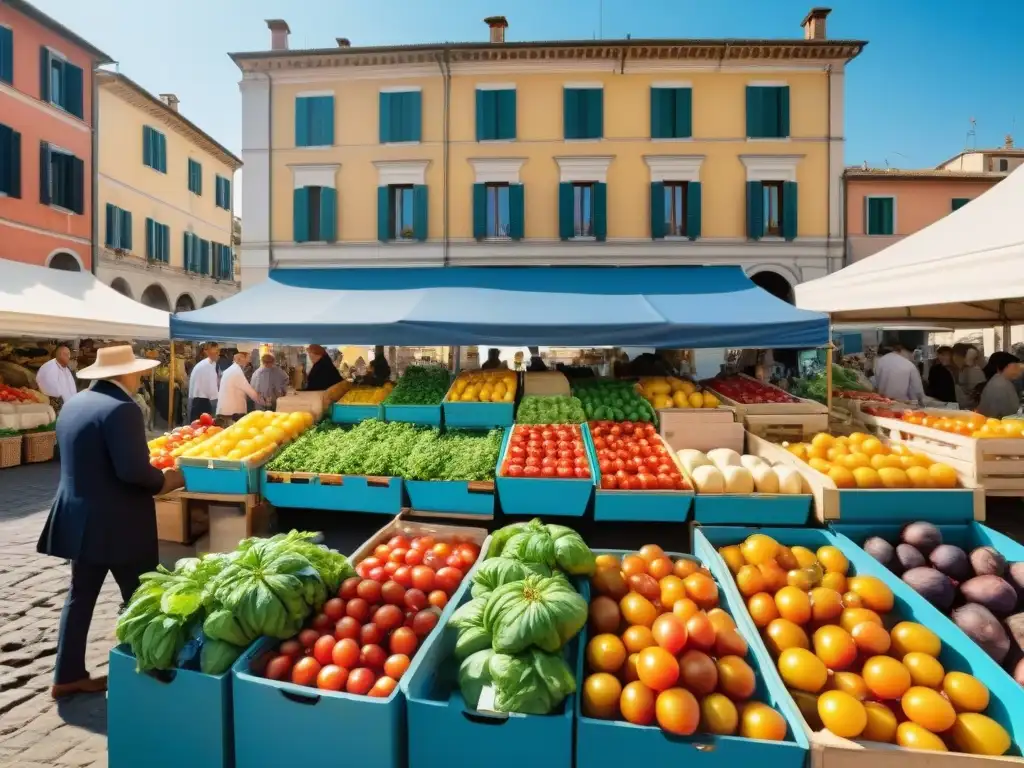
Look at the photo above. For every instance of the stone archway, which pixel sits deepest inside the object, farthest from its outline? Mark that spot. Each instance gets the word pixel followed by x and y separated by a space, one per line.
pixel 185 303
pixel 65 262
pixel 210 301
pixel 777 285
pixel 120 285
pixel 156 297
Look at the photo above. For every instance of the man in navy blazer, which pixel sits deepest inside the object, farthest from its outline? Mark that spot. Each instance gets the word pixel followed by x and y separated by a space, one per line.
pixel 103 518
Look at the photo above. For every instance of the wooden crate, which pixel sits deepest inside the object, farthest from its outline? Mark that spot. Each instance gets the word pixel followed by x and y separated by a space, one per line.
pixel 180 519
pixel 791 427
pixel 702 436
pixel 768 409
pixel 996 464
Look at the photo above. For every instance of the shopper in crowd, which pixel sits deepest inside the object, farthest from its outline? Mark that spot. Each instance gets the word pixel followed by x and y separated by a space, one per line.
pixel 204 383
pixel 897 377
pixel 234 388
pixel 493 360
pixel 56 380
pixel 972 377
pixel 380 369
pixel 269 381
pixel 103 517
pixel 941 384
pixel 537 365
pixel 322 374
pixel 999 398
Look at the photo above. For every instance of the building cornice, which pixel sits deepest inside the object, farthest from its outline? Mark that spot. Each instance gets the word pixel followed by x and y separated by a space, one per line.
pixel 924 174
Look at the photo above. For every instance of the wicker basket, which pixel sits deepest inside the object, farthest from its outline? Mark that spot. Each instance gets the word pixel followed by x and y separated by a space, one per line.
pixel 10 451
pixel 39 446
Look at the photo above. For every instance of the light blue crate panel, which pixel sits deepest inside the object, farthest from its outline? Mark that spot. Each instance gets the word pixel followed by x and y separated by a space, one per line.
pixel 143 708
pixel 755 509
pixel 905 505
pixel 355 494
pixel 449 496
pixel 424 415
pixel 443 733
pixel 643 506
pixel 542 496
pixel 478 415
pixel 221 478
pixel 353 414
pixel 601 743
pixel 959 652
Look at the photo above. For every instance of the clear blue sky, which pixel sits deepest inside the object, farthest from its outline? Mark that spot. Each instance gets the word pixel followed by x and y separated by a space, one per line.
pixel 930 65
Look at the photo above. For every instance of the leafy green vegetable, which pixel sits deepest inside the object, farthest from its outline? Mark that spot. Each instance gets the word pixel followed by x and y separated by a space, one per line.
pixel 217 656
pixel 454 455
pixel 501 570
pixel 550 409
pixel 530 683
pixel 555 546
pixel 537 611
pixel 420 385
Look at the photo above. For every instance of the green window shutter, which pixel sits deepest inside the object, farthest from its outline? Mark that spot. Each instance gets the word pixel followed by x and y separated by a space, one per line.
pixel 482 132
pixel 782 105
pixel 383 214
pixel 479 211
pixel 161 152
pixel 187 247
pixel 110 240
pixel 384 118
pixel 77 176
pixel 72 83
pixel 6 54
pixel 151 240
pixel 44 74
pixel 565 210
pixel 889 217
pixel 789 210
pixel 506 104
pixel 204 257
pixel 683 113
pixel 755 210
pixel 302 121
pixel 146 141
pixel 164 243
pixel 300 215
pixel 658 108
pixel 10 161
pixel 959 202
pixel 516 211
pixel 754 112
pixel 325 121
pixel 328 214
pixel 571 113
pixel 420 222
pixel 595 113
pixel 126 230
pixel 414 116
pixel 657 207
pixel 600 211
pixel 693 209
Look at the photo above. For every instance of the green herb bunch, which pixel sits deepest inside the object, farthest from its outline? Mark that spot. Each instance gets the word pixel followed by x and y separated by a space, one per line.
pixel 420 385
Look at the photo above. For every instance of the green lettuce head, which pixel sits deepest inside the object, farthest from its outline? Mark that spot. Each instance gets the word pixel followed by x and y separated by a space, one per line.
pixel 545 612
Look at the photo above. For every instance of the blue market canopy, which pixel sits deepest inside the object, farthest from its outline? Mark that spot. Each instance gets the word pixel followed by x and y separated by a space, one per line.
pixel 670 307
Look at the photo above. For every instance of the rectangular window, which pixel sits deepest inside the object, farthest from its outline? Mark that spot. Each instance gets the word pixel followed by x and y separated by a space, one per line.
pixel 154 149
pixel 158 241
pixel 880 216
pixel 400 116
pixel 773 208
pixel 583 210
pixel 10 161
pixel 671 113
pixel 7 55
pixel 62 178
pixel 498 212
pixel 675 209
pixel 1004 165
pixel 314 121
pixel 61 82
pixel 315 214
pixel 495 114
pixel 119 228
pixel 402 206
pixel 223 262
pixel 959 202
pixel 767 112
pixel 583 113
pixel 223 193
pixel 195 177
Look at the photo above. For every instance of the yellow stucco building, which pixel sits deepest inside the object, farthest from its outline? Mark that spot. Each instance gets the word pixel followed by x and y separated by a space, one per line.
pixel 165 231
pixel 574 152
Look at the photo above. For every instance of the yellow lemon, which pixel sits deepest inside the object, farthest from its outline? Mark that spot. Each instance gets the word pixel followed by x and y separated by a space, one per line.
pixel 892 477
pixel 867 477
pixel 696 400
pixel 920 477
pixel 943 475
pixel 710 401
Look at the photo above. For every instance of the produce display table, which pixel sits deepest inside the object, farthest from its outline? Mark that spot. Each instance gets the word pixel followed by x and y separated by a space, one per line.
pixel 786 418
pixel 341 493
pixel 227 528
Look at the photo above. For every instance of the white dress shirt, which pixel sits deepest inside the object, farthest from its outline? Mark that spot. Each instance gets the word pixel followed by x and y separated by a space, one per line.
pixel 203 382
pixel 233 389
pixel 55 380
pixel 898 378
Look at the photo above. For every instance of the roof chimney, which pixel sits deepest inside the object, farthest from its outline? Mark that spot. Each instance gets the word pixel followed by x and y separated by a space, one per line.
pixel 170 100
pixel 278 34
pixel 814 23
pixel 343 42
pixel 1008 142
pixel 498 25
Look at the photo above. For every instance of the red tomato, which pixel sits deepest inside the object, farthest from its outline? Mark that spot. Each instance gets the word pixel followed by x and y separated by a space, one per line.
pixel 345 653
pixel 547 472
pixel 433 561
pixel 531 471
pixel 448 579
pixel 398 542
pixel 608 482
pixel 279 668
pixel 369 590
pixel 582 472
pixel 372 562
pixel 515 471
pixel 346 627
pixel 370 634
pixel 404 640
pixel 372 656
pixel 206 420
pixel 517 451
pixel 291 648
pixel 389 617
pixel 323 648
pixel 533 461
pixel 423 622
pixel 358 609
pixel 438 599
pixel 549 461
pixel 564 471
pixel 381 552
pixel 413 557
pixel 377 574
pixel 308 637
pixel 396 665
pixel 348 588
pixel 397 555
pixel 442 549
pixel 360 681
pixel 415 599
pixel 468 553
pixel 321 622
pixel 334 609
pixel 423 543
pixel 383 688
pixel 403 575
pixel 332 678
pixel 305 671
pixel 599 443
pixel 392 592
pixel 423 578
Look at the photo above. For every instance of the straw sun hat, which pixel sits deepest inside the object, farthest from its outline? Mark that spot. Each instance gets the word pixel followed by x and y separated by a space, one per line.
pixel 116 361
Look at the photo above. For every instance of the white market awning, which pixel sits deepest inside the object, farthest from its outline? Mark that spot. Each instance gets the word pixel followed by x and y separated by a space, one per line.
pixel 965 270
pixel 40 302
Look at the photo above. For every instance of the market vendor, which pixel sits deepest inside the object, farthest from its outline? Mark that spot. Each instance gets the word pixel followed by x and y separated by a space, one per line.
pixel 999 398
pixel 56 380
pixel 269 381
pixel 234 388
pixel 493 360
pixel 322 375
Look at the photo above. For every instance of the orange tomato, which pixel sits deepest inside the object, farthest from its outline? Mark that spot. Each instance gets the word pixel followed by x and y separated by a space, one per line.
pixel 774 576
pixel 881 723
pixel 759 548
pixel 698 673
pixel 677 711
pixel 834 580
pixel 606 561
pixel 718 715
pixel 657 668
pixel 669 632
pixel 759 721
pixel 659 567
pixel 908 636
pixel 601 694
pixel 928 708
pixel 637 609
pixel 628 671
pixel 786 559
pixel 729 642
pixel 781 634
pixel 606 653
pixel 927 671
pixel 700 632
pixel 979 735
pixel 966 692
pixel 638 637
pixel 885 677
pixel 826 604
pixel 871 638
pixel 396 665
pixel 852 600
pixel 762 609
pixel 651 552
pixel 851 617
pixel 633 565
pixel 793 604
pixel 721 620
pixel 842 714
pixel 609 582
pixel 637 703
pixel 672 590
pixel 683 567
pixel 834 646
pixel 733 557
pixel 913 736
pixel 332 678
pixel 735 678
pixel 873 591
pixel 750 581
pixel 802 670
pixel 702 589
pixel 851 683
pixel 685 608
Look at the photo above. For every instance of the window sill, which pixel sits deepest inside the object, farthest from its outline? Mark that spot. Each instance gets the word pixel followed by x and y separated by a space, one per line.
pixel 880 234
pixel 495 141
pixel 415 143
pixel 402 241
pixel 62 209
pixel 671 139
pixel 583 239
pixel 580 141
pixel 677 238
pixel 498 239
pixel 780 139
pixel 157 170
pixel 313 147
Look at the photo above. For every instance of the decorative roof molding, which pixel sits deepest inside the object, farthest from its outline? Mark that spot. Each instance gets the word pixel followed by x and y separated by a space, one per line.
pixel 923 174
pixel 771 167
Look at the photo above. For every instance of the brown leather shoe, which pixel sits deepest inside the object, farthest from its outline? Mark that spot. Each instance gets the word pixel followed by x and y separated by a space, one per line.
pixel 85 685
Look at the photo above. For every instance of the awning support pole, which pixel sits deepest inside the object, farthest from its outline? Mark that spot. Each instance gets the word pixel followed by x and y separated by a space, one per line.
pixel 828 371
pixel 170 391
pixel 1006 337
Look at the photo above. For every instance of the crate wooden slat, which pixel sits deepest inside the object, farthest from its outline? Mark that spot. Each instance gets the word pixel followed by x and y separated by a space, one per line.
pixel 792 427
pixel 767 409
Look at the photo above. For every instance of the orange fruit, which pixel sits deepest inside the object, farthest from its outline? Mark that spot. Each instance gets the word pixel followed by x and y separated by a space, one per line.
pixel 677 711
pixel 886 677
pixel 832 559
pixel 606 653
pixel 718 715
pixel 659 567
pixel 672 589
pixel 637 703
pixel 834 646
pixel 684 566
pixel 781 634
pixel 802 670
pixel 669 632
pixel 965 692
pixel 851 683
pixel 928 708
pixel 628 672
pixel 758 548
pixel 651 552
pixel 834 580
pixel 637 609
pixel 871 638
pixel 851 617
pixel 774 576
pixel 720 620
pixel 943 475
pixel 700 632
pixel 735 678
pixel 684 608
pixel 601 696
pixel 842 477
pixel 702 589
pixel 633 565
pixel 842 714
pixel 866 477
pixel 657 668
pixel 793 604
pixel 759 721
pixel 732 555
pixel 762 609
pixel 979 735
pixel 786 559
pixel 873 591
pixel 909 636
pixel 927 671
pixel 638 637
pixel 881 723
pixel 826 604
pixel 729 642
pixel 913 736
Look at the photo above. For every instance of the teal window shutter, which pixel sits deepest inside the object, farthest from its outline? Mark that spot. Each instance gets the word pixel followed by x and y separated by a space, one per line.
pixel 789 210
pixel 328 214
pixel 165 243
pixel 7 54
pixel 300 215
pixel 754 111
pixel 44 74
pixel 188 251
pixel 325 121
pixel 693 209
pixel 889 218
pixel 161 152
pixel 111 237
pixel 72 83
pixel 959 202
pixel 782 107
pixel 571 113
pixel 126 230
pixel 565 210
pixel 419 211
pixel 483 127
pixel 77 171
pixel 516 211
pixel 383 214
pixel 480 209
pixel 384 118
pixel 657 204
pixel 10 161
pixel 147 141
pixel 413 108
pixel 683 127
pixel 302 121
pixel 595 113
pixel 600 212
pixel 660 126
pixel 755 210
pixel 506 104
pixel 151 240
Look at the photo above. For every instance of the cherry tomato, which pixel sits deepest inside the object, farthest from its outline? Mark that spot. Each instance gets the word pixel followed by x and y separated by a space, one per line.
pixel 305 671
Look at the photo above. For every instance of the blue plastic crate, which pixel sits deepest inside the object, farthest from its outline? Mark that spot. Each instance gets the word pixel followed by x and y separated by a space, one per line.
pixel 959 652
pixel 423 415
pixel 219 476
pixel 336 493
pixel 637 506
pixel 451 496
pixel 886 505
pixel 142 707
pixel 602 743
pixel 444 733
pixel 543 496
pixel 752 509
pixel 353 414
pixel 478 415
